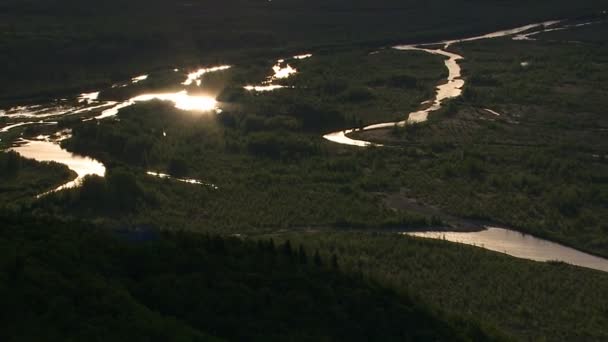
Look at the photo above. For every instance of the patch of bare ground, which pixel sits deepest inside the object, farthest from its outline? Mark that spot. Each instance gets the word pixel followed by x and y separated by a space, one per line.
pixel 402 201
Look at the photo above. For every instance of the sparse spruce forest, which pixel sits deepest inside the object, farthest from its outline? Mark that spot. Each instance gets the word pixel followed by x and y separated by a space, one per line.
pixel 242 223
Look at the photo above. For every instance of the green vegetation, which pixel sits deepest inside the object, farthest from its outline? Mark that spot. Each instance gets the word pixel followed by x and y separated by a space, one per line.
pixel 540 166
pixel 338 271
pixel 75 282
pixel 255 151
pixel 529 300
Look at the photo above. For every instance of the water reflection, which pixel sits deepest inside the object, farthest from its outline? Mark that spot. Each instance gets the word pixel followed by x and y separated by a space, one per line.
pixel 341 138
pixel 37 111
pixel 304 56
pixel 262 88
pixel 183 180
pixel 196 76
pixel 450 89
pixel 139 79
pixel 88 97
pixel 281 70
pixel 47 149
pixel 546 29
pixel 499 34
pixel 520 245
pixel 492 111
pixel 19 124
pixel 182 100
pixel 92 108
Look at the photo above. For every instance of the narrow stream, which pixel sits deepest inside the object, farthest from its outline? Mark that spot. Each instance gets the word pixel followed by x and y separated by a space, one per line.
pixel 182 180
pixel 450 89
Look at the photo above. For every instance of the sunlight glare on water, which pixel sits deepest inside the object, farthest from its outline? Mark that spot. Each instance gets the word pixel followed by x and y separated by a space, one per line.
pixel 49 151
pixel 139 79
pixel 281 72
pixel 269 87
pixel 182 100
pixel 308 55
pixel 519 245
pixel 195 77
pixel 88 97
pixel 183 180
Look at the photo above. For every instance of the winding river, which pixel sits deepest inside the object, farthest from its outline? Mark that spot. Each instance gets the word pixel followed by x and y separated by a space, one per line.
pixel 451 88
pixel 47 148
pixel 493 238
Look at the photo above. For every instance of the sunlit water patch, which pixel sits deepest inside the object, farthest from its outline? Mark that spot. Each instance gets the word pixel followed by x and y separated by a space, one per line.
pixel 47 149
pixel 86 102
pixel 138 79
pixel 520 245
pixel 499 34
pixel 195 77
pixel 92 108
pixel 37 111
pixel 183 180
pixel 88 97
pixel 20 124
pixel 263 88
pixel 182 100
pixel 304 56
pixel 342 138
pixel 492 111
pixel 280 71
pixel 547 29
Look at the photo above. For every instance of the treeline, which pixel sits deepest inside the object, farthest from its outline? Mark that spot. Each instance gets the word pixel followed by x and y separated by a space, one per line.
pixel 73 281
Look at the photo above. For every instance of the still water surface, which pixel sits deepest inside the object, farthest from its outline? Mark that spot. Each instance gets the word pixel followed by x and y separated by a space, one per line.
pixel 46 150
pixel 520 245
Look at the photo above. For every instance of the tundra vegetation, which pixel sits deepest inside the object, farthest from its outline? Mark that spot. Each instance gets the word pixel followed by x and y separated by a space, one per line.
pixel 290 236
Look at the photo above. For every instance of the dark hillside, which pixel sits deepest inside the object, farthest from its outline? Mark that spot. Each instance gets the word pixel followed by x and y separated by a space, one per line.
pixel 73 282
